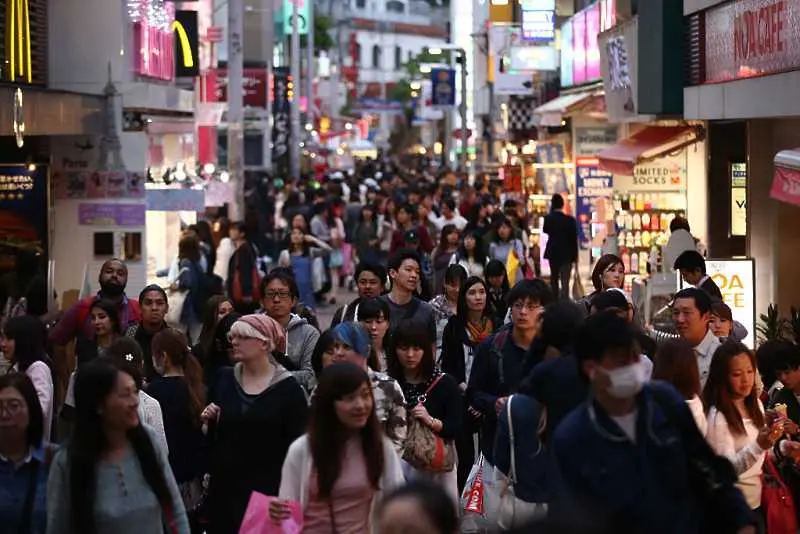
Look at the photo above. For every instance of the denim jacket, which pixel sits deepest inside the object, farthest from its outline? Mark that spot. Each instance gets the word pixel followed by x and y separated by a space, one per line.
pixel 14 483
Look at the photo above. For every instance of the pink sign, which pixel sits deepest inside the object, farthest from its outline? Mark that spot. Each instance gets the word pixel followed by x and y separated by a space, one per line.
pixel 786 185
pixel 585 57
pixel 153 38
pixel 750 38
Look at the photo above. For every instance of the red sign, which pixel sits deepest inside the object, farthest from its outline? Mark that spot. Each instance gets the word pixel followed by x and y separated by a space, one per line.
pixel 752 38
pixel 254 86
pixel 786 185
pixel 215 34
pixel 153 38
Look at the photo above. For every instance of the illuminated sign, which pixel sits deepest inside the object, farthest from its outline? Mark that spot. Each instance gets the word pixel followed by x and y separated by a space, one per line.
pixel 186 44
pixel 153 38
pixel 303 16
pixel 18 41
pixel 538 26
pixel 736 280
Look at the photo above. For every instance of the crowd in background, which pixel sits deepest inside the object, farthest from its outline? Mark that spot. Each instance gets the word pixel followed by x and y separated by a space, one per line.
pixel 459 392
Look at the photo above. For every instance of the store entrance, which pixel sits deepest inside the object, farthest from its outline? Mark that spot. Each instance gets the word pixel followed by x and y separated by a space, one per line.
pixel 727 185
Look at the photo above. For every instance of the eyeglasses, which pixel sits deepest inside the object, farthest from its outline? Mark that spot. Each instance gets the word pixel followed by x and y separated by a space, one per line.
pixel 281 294
pixel 519 306
pixel 13 407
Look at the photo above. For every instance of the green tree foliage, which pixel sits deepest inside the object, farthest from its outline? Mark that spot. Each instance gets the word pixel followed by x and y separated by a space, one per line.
pixel 402 90
pixel 322 34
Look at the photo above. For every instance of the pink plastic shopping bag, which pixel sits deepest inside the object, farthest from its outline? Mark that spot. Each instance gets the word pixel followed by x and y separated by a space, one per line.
pixel 257 521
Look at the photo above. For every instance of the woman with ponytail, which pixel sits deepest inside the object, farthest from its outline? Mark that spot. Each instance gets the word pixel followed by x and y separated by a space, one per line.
pixel 180 391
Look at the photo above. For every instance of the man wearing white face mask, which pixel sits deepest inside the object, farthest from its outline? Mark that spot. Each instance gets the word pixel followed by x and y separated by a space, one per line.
pixel 621 455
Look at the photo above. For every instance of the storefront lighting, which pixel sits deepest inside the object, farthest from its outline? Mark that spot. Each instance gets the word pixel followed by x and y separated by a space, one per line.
pixel 309 126
pixel 302 144
pixel 348 126
pixel 31 167
pixel 209 168
pixel 179 175
pixel 314 133
pixel 425 69
pixel 224 177
pixel 437 148
pixel 415 86
pixel 435 51
pixel 340 151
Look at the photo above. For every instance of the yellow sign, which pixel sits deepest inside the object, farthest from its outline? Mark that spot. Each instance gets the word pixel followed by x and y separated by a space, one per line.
pixel 501 11
pixel 18 40
pixel 186 48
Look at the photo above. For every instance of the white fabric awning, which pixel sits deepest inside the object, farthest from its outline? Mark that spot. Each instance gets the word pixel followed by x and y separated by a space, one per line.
pixel 789 159
pixel 552 113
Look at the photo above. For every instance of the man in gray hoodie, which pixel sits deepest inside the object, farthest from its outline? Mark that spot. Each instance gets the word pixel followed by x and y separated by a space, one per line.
pixel 279 295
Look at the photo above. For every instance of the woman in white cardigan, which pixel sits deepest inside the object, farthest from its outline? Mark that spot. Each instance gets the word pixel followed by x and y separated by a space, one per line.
pixel 737 426
pixel 339 471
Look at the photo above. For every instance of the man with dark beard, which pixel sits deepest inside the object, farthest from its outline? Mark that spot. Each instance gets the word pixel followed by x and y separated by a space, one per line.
pixel 75 321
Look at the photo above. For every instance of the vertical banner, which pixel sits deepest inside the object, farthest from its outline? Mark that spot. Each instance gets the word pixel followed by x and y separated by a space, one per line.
pixel 443 88
pixel 23 211
pixel 281 131
pixel 591 184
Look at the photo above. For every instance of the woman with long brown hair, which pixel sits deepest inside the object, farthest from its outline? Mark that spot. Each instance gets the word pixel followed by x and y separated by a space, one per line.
pixel 180 391
pixel 737 426
pixel 215 309
pixel 676 363
pixel 339 470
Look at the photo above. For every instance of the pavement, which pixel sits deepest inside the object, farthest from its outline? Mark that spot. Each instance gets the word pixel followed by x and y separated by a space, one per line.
pixel 325 312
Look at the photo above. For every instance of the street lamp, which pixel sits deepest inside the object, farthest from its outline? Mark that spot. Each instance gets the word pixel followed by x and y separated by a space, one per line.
pixel 462 108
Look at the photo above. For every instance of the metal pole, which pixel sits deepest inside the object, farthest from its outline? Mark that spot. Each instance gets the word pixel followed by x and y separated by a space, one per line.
pixel 310 67
pixel 268 42
pixel 294 142
pixel 463 110
pixel 235 106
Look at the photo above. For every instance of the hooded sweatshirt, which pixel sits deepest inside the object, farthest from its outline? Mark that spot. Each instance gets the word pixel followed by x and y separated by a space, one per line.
pixel 250 441
pixel 301 338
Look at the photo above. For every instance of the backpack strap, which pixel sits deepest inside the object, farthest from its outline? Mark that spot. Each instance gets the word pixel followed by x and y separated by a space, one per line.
pixel 498 343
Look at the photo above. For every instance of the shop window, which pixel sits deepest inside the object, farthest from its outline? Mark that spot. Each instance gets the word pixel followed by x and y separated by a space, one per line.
pixel 398 58
pixel 394 6
pixel 357 55
pixel 376 57
pixel 132 246
pixel 104 244
pixel 361 4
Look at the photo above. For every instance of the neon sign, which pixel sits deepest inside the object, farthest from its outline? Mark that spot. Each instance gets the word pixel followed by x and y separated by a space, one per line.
pixel 153 38
pixel 185 31
pixel 18 40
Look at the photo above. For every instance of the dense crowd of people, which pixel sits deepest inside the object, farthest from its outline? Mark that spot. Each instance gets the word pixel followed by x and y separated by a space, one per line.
pixel 459 392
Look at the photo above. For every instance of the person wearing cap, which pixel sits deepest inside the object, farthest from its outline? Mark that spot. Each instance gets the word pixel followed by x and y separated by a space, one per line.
pixel 256 411
pixel 154 303
pixel 351 343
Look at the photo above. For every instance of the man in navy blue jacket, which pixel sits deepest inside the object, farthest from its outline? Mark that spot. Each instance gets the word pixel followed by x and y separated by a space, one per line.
pixel 631 457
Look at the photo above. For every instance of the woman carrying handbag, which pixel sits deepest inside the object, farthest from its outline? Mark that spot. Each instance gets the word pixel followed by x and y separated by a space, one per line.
pixel 519 453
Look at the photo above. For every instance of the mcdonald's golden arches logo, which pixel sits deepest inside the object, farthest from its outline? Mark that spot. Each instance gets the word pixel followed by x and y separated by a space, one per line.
pixel 18 41
pixel 186 44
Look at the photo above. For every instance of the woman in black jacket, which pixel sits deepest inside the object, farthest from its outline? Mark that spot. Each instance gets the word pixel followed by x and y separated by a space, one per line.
pixel 432 398
pixel 462 335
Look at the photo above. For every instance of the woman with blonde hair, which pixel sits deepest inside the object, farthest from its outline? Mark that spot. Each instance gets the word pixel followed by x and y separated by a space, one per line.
pixel 257 410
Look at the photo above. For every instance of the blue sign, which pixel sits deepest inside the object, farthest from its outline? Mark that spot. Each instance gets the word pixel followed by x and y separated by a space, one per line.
pixel 591 183
pixel 443 88
pixel 383 105
pixel 176 200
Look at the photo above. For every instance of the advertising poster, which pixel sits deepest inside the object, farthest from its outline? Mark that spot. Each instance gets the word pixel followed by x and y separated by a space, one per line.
pixel 591 184
pixel 116 184
pixel 553 180
pixel 736 280
pixel 23 211
pixel 136 185
pixel 95 184
pixel 443 88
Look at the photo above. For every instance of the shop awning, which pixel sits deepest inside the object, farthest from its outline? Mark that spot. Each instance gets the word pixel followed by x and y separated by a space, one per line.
pixel 650 143
pixel 786 181
pixel 552 113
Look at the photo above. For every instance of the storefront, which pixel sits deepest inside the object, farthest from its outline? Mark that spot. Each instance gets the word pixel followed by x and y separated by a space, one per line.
pixel 744 88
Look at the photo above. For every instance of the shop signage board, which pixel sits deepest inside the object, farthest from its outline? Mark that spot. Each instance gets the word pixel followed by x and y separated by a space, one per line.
pixel 303 14
pixel 100 214
pixel 591 184
pixel 786 185
pixel 662 175
pixel 23 210
pixel 736 280
pixel 591 141
pixel 443 88
pixel 738 199
pixel 534 58
pixel 502 39
pixel 554 179
pixel 24 57
pixel 748 38
pixel 538 26
pixel 619 52
pixel 580 64
pixel 153 39
pixel 187 44
pixel 254 86
pixel 175 200
pixel 281 127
